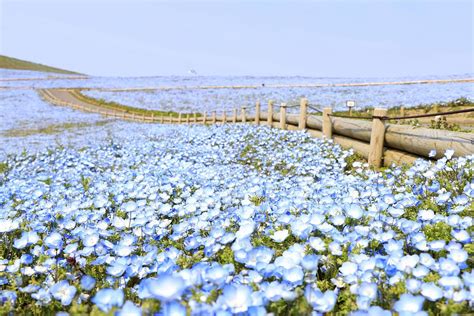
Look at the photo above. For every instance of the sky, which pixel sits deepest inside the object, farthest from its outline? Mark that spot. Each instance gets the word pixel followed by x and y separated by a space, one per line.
pixel 352 38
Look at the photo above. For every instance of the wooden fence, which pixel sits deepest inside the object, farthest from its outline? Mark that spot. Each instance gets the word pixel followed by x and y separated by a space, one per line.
pixel 381 143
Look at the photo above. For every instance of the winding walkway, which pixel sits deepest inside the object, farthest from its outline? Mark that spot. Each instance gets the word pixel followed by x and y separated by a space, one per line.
pixel 66 97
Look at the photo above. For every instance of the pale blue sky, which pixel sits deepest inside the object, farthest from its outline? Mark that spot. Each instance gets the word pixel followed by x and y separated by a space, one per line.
pixel 313 38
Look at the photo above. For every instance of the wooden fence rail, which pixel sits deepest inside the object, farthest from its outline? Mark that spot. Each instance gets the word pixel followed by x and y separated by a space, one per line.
pixel 379 142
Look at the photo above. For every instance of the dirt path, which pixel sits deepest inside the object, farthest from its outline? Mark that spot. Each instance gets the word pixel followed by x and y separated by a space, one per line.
pixel 67 98
pixel 64 97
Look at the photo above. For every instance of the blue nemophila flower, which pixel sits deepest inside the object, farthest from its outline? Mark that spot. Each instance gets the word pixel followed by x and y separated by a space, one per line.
pixel 173 308
pixel 116 269
pixel 54 240
pixel 42 296
pixel 354 211
pixel 458 255
pixel 450 282
pixel 90 240
pixel 105 299
pixel 409 304
pixel 178 215
pixel 237 298
pixel 26 239
pixel 164 288
pixel 372 311
pixel 8 297
pixel 293 275
pixel 129 309
pixel 310 262
pixel 63 292
pixel 26 259
pixel 321 302
pixel 431 291
pixel 87 282
pixel 217 274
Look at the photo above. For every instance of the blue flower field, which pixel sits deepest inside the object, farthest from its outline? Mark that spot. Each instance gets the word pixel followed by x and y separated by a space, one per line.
pixel 233 219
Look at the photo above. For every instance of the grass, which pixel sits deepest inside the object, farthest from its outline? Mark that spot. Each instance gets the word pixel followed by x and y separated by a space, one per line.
pixel 14 63
pixel 50 129
pixel 438 107
pixel 458 104
pixel 128 109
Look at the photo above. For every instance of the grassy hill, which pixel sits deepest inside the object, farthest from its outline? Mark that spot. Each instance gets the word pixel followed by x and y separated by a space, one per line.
pixel 13 63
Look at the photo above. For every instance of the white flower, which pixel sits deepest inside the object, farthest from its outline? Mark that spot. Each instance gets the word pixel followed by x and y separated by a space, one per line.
pixel 409 304
pixel 348 268
pixel 449 153
pixel 431 291
pixel 280 235
pixel 7 225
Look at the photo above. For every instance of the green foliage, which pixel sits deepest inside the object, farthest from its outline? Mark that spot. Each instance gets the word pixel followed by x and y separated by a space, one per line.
pixel 443 123
pixel 257 200
pixel 48 181
pixel 431 277
pixel 213 295
pixel 85 181
pixel 120 213
pixel 125 108
pixel 325 285
pixel 14 63
pixel 390 293
pixel 3 167
pixel 186 261
pixel 438 231
pixel 278 247
pixel 346 303
pixel 151 306
pixel 51 129
pixel 297 307
pixel 350 160
pixel 448 308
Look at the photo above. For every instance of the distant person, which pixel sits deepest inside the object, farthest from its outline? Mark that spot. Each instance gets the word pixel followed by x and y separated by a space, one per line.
pixel 263 85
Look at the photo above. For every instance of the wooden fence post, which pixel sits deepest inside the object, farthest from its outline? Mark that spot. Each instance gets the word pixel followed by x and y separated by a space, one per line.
pixel 283 116
pixel 244 118
pixel 152 117
pixel 171 118
pixel 257 113
pixel 270 113
pixel 327 123
pixel 179 117
pixel 204 118
pixel 162 120
pixel 303 113
pixel 234 116
pixel 224 117
pixel 377 138
pixel 213 117
pixel 187 118
pixel 195 117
